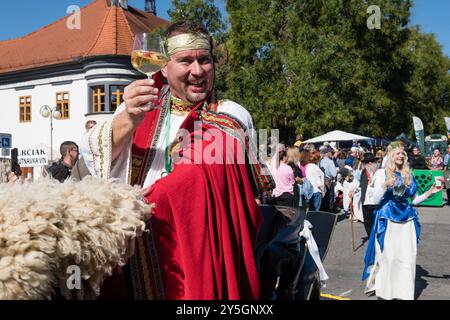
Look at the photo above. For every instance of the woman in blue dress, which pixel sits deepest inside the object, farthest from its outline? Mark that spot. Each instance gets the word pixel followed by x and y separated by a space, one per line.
pixel 390 259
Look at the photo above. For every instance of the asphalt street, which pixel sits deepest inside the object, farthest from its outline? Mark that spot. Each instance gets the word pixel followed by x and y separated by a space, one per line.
pixel 344 267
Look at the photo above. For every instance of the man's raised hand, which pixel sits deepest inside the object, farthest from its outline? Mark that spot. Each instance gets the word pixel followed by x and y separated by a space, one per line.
pixel 137 97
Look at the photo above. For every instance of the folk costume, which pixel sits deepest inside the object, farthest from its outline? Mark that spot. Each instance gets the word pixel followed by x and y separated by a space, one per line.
pixel 202 232
pixel 390 258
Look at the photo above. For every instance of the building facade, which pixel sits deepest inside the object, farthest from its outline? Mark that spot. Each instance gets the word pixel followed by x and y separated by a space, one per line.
pixel 79 70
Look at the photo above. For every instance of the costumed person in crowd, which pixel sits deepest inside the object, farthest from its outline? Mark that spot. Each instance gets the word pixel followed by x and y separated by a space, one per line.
pixel 436 161
pixel 206 218
pixel 367 191
pixel 62 169
pixel 317 178
pixel 390 258
pixel 350 188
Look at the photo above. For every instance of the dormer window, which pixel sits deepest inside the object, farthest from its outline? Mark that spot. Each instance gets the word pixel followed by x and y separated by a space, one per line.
pixel 106 97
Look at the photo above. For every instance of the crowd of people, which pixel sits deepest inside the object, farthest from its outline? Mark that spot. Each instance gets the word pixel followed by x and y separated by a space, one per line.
pixel 327 178
pixel 378 190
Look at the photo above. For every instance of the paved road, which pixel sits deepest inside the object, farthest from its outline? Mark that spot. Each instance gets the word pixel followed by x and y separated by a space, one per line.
pixel 433 259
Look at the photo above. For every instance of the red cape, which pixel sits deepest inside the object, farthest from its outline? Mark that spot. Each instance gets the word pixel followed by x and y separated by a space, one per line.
pixel 204 227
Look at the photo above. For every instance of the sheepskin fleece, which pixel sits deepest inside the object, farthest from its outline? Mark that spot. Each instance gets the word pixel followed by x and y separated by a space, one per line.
pixel 46 226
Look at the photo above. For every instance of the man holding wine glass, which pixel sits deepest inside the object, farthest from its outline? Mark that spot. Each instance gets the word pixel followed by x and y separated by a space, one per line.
pixel 203 228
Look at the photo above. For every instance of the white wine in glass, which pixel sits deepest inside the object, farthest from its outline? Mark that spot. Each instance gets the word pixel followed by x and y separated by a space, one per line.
pixel 147 62
pixel 148 55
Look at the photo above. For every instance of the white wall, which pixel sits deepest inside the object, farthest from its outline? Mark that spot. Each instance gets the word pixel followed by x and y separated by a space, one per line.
pixel 37 132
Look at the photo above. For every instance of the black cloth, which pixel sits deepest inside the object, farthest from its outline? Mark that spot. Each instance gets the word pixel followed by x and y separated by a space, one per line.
pixel 279 252
pixel 328 200
pixel 363 183
pixel 369 217
pixel 297 171
pixel 417 162
pixel 286 199
pixel 59 170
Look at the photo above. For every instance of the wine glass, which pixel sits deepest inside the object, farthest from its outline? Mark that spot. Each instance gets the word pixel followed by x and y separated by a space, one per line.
pixel 399 187
pixel 148 55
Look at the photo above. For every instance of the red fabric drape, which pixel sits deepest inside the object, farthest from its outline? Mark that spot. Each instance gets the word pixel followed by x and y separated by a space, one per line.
pixel 204 225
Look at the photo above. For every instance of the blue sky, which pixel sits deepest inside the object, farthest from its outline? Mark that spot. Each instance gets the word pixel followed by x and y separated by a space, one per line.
pixel 20 17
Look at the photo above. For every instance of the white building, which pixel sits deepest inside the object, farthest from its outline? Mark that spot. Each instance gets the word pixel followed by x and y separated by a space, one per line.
pixel 79 65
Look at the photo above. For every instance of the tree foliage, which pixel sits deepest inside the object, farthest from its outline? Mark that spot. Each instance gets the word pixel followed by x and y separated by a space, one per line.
pixel 201 11
pixel 313 65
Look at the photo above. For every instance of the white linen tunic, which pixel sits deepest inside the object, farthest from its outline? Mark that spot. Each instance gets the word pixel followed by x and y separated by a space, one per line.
pixel 97 145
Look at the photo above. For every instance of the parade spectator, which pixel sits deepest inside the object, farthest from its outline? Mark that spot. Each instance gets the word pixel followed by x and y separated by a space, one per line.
pixel 317 179
pixel 62 169
pixel 329 169
pixel 352 156
pixel 367 191
pixel 436 161
pixel 390 259
pixel 90 124
pixel 294 162
pixel 341 159
pixel 380 156
pixel 283 194
pixel 298 140
pixel 304 160
pixel 416 159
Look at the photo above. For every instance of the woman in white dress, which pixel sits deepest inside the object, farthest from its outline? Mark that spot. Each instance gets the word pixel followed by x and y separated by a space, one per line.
pixel 390 259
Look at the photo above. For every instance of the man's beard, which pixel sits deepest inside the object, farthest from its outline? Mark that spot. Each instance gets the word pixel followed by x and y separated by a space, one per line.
pixel 197 98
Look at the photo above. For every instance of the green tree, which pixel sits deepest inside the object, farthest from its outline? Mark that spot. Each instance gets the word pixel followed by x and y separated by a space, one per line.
pixel 313 65
pixel 202 11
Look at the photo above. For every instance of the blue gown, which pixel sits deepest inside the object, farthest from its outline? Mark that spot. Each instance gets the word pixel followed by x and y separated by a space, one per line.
pixel 393 208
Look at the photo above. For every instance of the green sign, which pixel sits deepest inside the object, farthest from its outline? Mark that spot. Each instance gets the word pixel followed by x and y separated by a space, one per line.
pixel 425 179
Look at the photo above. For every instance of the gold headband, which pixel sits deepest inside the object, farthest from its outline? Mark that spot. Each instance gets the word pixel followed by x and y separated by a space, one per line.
pixel 187 41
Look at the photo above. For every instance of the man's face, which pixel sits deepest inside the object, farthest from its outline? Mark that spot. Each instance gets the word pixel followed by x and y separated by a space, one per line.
pixel 74 154
pixel 190 74
pixel 436 153
pixel 416 151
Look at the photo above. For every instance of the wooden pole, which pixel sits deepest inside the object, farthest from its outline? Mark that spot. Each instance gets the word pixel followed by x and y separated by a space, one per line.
pixel 351 224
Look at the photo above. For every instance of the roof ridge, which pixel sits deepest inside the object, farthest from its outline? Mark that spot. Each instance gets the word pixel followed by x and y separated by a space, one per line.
pixel 105 20
pixel 127 23
pixel 48 25
pixel 135 19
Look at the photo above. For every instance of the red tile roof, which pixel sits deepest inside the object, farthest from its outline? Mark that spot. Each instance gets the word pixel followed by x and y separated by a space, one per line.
pixel 105 30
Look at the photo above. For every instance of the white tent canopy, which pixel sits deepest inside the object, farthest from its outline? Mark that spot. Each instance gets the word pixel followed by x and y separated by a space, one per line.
pixel 337 135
